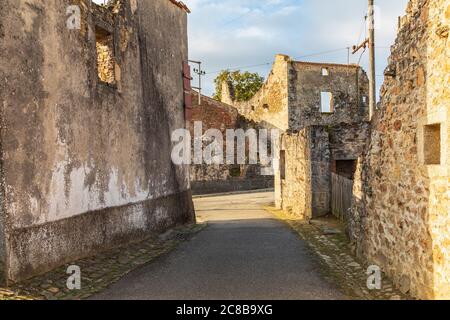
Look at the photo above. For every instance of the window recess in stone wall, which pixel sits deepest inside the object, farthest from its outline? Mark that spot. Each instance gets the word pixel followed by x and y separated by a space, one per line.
pixel 326 102
pixel 104 42
pixel 432 144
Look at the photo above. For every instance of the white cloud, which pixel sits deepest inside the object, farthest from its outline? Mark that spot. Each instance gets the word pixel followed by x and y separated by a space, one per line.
pixel 231 33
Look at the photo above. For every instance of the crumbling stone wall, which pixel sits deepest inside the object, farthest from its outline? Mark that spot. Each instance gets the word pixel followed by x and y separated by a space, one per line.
pixel 348 85
pixel 401 213
pixel 224 177
pixel 295 191
pixel 270 104
pixel 85 165
pixel 290 100
pixel 308 161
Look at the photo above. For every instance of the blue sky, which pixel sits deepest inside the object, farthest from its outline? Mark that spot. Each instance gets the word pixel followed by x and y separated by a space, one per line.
pixel 225 34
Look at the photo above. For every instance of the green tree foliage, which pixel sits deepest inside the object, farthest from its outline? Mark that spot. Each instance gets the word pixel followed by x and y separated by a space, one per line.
pixel 245 84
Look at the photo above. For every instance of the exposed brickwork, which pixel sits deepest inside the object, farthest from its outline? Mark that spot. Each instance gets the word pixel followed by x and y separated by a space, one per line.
pixel 206 178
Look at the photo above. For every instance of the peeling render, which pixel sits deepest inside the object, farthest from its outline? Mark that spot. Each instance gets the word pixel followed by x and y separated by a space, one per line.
pixel 82 152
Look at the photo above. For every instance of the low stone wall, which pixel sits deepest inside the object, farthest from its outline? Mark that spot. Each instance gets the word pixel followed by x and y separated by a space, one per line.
pixel 231 185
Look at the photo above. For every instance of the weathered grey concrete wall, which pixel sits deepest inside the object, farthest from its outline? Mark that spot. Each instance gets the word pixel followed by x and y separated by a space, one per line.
pixel 87 165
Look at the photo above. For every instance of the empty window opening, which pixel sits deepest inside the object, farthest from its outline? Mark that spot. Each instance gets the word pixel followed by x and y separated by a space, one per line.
pixel 364 99
pixel 283 165
pixel 326 101
pixel 325 72
pixel 105 55
pixel 266 106
pixel 235 172
pixel 345 168
pixel 432 144
pixel 253 108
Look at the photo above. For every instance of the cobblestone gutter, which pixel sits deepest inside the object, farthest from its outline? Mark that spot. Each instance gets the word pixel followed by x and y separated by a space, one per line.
pixel 338 264
pixel 100 271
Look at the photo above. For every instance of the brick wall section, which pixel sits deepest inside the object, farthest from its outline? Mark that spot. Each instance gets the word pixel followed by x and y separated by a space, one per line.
pixel 401 213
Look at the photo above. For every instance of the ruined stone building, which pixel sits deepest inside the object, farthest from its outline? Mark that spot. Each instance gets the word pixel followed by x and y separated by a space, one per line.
pixel 322 110
pixel 89 96
pixel 205 178
pixel 401 207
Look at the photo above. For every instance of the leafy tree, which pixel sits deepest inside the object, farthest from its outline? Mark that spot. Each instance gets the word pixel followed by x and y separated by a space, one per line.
pixel 245 84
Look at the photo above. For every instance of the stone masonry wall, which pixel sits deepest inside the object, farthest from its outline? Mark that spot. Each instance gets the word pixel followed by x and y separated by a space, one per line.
pixel 401 213
pixel 338 135
pixel 270 103
pixel 306 189
pixel 293 193
pixel 87 166
pixel 224 177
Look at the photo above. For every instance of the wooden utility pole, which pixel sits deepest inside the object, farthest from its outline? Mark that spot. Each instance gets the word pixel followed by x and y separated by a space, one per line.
pixel 373 85
pixel 371 43
pixel 200 74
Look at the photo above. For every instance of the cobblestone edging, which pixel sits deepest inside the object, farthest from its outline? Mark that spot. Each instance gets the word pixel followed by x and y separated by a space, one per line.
pixel 100 271
pixel 339 265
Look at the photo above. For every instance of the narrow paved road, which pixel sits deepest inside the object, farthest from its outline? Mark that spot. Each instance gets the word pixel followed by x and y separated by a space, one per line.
pixel 244 253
